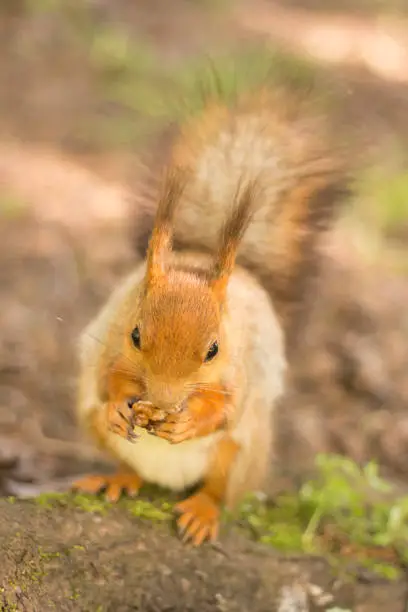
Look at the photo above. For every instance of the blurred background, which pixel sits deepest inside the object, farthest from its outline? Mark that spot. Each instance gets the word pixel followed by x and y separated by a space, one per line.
pixel 87 91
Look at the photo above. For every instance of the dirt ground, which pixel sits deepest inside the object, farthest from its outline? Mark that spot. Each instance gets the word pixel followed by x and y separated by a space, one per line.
pixel 68 559
pixel 64 240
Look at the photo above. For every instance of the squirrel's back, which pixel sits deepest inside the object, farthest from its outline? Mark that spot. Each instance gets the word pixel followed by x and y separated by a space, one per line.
pixel 271 141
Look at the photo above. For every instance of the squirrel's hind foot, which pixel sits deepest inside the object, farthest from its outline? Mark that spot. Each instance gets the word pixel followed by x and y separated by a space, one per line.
pixel 113 484
pixel 199 520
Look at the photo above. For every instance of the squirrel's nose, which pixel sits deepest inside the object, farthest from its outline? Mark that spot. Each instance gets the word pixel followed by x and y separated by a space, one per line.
pixel 165 396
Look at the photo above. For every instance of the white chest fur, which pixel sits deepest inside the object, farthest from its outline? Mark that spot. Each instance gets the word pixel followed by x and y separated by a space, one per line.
pixel 174 466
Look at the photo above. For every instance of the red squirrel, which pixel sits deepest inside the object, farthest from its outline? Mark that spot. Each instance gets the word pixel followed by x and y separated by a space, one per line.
pixel 181 370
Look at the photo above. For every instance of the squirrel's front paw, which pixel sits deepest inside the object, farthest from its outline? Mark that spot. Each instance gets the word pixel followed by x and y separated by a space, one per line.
pixel 176 428
pixel 145 414
pixel 120 420
pixel 123 417
pixel 204 414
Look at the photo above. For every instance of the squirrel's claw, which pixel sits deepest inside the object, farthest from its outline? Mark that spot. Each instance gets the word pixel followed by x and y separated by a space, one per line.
pixel 199 519
pixel 119 421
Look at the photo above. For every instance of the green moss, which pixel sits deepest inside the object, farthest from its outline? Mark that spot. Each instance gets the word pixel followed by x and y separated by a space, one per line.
pixel 47 555
pixel 11 607
pixel 75 595
pixel 159 511
pixel 49 500
pixel 384 570
pixel 33 571
pixel 87 503
pixel 90 503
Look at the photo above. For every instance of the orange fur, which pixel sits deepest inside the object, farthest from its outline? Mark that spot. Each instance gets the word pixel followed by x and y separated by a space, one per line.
pixel 114 484
pixel 254 185
pixel 160 242
pixel 231 235
pixel 200 513
pixel 179 315
pixel 205 413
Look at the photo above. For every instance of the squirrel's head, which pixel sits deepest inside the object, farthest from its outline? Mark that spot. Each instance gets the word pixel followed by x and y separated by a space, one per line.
pixel 177 335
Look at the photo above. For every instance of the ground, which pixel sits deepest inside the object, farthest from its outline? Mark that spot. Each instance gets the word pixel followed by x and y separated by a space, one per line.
pixel 71 559
pixel 69 151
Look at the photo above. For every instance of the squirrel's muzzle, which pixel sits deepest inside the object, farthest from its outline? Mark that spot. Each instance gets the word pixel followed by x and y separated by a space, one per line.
pixel 168 396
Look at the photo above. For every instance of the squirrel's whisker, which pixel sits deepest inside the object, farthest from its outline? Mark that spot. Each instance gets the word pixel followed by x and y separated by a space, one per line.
pixel 121 353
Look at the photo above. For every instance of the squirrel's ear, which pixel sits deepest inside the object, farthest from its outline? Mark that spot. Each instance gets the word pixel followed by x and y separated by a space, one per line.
pixel 161 239
pixel 230 237
pixel 159 247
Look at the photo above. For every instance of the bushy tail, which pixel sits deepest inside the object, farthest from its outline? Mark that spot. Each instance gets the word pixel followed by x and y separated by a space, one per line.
pixel 270 140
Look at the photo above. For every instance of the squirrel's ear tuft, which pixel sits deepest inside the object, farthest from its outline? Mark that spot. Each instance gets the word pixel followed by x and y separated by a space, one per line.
pixel 230 237
pixel 161 239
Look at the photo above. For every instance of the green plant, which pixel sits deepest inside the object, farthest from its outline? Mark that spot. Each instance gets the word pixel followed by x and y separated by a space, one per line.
pixel 349 502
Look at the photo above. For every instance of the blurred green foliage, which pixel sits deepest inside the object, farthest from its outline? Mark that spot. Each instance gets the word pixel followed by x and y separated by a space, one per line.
pixel 11 206
pixel 140 90
pixel 363 7
pixel 137 91
pixel 386 197
pixel 352 500
pixel 378 214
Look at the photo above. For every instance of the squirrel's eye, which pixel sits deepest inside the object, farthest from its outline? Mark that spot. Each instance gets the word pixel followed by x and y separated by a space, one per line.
pixel 136 337
pixel 213 350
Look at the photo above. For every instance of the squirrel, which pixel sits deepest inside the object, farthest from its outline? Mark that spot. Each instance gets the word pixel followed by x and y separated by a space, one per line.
pixel 181 370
